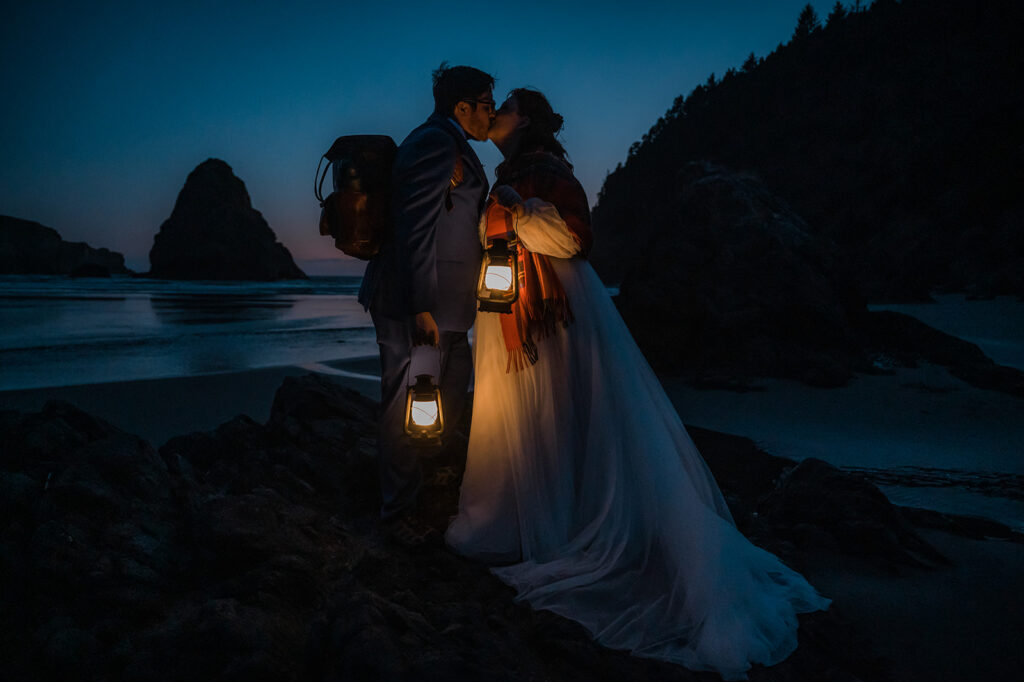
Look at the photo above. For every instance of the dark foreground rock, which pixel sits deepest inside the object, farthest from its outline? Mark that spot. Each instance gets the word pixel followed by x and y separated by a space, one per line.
pixel 215 233
pixel 253 552
pixel 28 248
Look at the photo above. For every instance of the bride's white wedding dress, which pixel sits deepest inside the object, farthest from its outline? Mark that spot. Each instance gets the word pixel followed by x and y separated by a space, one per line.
pixel 583 482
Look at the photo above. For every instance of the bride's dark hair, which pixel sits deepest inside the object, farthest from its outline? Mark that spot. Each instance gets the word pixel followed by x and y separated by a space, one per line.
pixel 540 133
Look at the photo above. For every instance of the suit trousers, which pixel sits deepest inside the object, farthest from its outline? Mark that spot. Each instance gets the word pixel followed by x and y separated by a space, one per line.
pixel 398 462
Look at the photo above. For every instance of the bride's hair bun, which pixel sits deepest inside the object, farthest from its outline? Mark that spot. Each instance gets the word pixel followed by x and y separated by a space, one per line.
pixel 545 123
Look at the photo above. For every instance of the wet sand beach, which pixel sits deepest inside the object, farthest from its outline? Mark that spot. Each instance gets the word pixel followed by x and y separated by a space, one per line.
pixel 158 409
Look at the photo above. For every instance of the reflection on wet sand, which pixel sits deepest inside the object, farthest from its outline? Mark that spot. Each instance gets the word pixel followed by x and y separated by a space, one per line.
pixel 191 309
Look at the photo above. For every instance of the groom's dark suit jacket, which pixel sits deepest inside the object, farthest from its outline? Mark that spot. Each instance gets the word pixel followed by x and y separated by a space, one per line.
pixel 432 260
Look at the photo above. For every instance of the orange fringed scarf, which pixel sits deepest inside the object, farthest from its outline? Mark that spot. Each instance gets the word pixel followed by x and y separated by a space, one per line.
pixel 542 305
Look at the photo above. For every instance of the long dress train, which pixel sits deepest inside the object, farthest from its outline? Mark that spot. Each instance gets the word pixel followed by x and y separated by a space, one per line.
pixel 582 480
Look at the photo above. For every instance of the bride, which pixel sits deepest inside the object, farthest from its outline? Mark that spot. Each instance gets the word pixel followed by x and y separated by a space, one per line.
pixel 581 484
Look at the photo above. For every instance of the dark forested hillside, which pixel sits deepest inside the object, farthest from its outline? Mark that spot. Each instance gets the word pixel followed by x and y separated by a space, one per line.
pixel 896 132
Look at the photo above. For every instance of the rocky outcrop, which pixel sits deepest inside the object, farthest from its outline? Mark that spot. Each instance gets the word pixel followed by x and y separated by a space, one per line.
pixel 814 500
pixel 28 248
pixel 253 551
pixel 734 286
pixel 215 233
pixel 901 340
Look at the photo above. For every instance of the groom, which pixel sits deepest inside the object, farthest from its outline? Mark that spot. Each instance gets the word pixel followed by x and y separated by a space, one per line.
pixel 421 288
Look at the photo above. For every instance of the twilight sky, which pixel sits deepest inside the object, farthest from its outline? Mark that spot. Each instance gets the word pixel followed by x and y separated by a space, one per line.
pixel 109 105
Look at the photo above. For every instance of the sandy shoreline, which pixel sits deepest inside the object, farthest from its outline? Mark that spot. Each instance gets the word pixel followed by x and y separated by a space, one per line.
pixel 920 417
pixel 158 409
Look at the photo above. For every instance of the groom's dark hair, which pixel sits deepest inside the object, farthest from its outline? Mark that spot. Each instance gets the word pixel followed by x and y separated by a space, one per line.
pixel 452 84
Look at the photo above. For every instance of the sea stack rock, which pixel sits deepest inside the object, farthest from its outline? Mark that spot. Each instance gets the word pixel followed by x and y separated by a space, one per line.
pixel 731 286
pixel 215 233
pixel 28 248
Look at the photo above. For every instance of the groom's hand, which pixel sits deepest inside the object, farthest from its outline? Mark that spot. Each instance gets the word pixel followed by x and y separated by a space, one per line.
pixel 425 333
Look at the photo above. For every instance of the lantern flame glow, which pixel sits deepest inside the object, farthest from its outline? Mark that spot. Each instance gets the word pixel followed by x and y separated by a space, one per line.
pixel 498 277
pixel 423 412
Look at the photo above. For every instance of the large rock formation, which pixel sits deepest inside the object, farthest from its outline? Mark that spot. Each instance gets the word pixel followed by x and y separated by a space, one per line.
pixel 732 285
pixel 28 248
pixel 215 233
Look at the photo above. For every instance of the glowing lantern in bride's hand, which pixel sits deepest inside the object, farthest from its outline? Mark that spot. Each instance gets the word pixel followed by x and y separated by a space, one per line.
pixel 498 286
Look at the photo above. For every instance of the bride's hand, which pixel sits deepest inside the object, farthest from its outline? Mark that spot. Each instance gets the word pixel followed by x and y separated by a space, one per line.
pixel 506 196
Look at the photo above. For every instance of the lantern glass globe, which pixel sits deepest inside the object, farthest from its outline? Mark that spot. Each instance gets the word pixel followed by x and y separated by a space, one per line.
pixel 424 412
pixel 498 277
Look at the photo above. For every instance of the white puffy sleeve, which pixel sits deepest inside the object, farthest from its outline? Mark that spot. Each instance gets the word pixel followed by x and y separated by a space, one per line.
pixel 542 230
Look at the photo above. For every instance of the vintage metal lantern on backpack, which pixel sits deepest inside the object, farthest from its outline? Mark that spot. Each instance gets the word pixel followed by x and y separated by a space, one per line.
pixel 357 213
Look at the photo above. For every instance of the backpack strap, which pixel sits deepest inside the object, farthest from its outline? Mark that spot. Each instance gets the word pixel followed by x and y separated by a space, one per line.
pixel 458 174
pixel 318 179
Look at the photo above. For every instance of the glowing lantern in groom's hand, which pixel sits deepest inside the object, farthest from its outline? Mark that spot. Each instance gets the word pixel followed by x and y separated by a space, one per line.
pixel 424 416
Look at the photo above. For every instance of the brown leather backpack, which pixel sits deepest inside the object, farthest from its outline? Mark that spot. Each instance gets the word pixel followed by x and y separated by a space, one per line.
pixel 357 213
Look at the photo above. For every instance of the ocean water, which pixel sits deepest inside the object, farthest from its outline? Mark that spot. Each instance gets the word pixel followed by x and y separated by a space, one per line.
pixel 58 331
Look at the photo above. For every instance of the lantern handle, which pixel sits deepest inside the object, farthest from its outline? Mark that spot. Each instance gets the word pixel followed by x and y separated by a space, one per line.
pixel 421 359
pixel 511 220
pixel 511 242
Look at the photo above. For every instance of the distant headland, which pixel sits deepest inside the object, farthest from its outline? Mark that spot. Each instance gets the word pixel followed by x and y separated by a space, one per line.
pixel 28 248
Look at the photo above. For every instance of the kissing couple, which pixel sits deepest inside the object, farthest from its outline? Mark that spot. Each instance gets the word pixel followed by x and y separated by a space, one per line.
pixel 582 488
